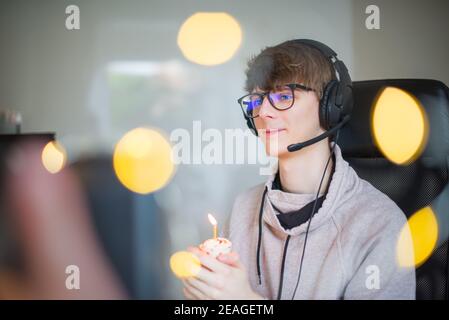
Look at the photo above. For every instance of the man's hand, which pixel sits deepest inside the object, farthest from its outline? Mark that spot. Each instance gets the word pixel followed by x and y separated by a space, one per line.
pixel 224 278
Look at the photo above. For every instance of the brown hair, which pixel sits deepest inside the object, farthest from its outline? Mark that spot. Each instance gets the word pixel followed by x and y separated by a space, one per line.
pixel 289 62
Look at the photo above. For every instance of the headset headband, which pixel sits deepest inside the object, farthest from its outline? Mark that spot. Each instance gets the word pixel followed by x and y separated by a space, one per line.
pixel 340 68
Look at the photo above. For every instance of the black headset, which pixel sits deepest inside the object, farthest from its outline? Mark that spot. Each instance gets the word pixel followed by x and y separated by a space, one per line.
pixel 336 103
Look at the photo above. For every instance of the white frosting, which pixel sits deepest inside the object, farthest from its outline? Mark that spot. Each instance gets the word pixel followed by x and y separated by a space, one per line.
pixel 215 247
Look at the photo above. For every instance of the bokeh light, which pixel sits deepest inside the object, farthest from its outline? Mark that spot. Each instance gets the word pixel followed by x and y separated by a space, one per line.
pixel 399 125
pixel 209 38
pixel 423 227
pixel 185 264
pixel 143 160
pixel 54 157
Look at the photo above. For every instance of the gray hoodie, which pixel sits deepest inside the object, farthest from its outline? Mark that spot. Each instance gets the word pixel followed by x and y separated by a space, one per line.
pixel 351 250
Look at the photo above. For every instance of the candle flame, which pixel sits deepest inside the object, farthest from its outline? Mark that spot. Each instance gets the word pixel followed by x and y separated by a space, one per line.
pixel 212 219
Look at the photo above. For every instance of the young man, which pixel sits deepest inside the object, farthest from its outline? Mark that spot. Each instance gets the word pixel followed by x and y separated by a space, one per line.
pixel 314 230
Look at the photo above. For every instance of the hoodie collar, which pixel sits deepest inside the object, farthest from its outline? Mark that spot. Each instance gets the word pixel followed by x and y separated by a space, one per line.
pixel 287 202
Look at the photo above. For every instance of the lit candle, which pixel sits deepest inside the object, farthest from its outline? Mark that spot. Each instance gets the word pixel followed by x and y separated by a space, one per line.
pixel 214 223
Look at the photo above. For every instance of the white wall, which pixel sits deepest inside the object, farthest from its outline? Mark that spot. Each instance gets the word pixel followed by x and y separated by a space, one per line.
pixel 411 43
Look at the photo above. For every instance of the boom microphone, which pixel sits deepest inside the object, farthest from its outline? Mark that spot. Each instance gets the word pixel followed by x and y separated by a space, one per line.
pixel 298 146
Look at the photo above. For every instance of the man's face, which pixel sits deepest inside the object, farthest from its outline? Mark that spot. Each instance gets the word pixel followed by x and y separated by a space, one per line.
pixel 279 129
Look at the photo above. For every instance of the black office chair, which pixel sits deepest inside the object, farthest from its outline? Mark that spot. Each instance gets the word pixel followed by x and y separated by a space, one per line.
pixel 414 186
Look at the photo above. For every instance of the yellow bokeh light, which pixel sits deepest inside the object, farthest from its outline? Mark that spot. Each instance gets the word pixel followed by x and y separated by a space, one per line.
pixel 399 126
pixel 54 157
pixel 209 38
pixel 423 227
pixel 143 161
pixel 185 264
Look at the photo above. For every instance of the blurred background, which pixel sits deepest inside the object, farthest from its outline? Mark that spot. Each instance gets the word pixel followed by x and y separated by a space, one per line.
pixel 130 66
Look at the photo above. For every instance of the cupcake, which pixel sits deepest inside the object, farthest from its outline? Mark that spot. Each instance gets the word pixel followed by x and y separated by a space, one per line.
pixel 215 247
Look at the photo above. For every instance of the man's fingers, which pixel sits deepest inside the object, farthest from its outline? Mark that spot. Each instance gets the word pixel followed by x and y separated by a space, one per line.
pixel 193 294
pixel 231 259
pixel 209 262
pixel 212 279
pixel 187 294
pixel 214 265
pixel 201 286
pixel 197 251
pixel 192 287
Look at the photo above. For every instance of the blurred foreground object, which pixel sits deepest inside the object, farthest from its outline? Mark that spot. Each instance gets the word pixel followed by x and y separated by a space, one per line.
pixel 49 218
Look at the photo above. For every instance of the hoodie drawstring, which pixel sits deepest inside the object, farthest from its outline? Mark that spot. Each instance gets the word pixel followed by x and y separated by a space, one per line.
pixel 281 282
pixel 259 239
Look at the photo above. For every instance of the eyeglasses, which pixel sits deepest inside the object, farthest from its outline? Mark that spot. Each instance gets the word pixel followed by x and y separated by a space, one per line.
pixel 281 99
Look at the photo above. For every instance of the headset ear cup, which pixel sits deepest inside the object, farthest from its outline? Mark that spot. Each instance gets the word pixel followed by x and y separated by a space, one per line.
pixel 325 108
pixel 334 110
pixel 348 101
